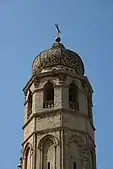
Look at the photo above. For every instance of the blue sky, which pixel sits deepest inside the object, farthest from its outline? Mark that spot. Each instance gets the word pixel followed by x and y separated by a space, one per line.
pixel 27 28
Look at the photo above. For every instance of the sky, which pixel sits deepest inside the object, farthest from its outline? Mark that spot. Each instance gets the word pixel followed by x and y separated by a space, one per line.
pixel 27 28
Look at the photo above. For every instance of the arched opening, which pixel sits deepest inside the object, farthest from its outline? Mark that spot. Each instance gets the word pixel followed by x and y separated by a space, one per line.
pixel 89 102
pixel 73 96
pixel 73 155
pixel 48 154
pixel 29 104
pixel 74 165
pixel 27 156
pixel 27 159
pixel 48 95
pixel 48 151
pixel 92 161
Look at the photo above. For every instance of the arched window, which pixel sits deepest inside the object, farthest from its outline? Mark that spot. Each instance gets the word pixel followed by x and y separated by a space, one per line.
pixel 29 104
pixel 92 161
pixel 48 97
pixel 73 96
pixel 89 102
pixel 74 165
pixel 48 146
pixel 27 159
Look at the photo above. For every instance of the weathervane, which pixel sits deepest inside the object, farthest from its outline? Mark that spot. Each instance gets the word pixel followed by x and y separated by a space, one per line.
pixel 58 33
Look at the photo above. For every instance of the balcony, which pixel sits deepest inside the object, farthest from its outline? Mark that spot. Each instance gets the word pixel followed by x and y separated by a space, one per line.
pixel 73 105
pixel 48 104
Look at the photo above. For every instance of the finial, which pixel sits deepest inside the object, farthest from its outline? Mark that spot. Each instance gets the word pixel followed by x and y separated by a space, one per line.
pixel 58 33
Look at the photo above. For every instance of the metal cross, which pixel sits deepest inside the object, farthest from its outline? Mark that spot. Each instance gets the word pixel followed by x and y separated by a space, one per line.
pixel 58 30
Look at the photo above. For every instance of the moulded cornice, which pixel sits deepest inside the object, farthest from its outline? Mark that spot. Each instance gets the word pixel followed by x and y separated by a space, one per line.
pixel 57 73
pixel 45 113
pixel 56 129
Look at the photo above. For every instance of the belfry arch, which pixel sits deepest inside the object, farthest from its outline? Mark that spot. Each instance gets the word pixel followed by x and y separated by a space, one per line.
pixel 27 156
pixel 48 95
pixel 47 146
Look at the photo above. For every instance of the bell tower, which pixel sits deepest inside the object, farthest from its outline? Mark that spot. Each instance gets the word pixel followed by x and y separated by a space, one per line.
pixel 58 130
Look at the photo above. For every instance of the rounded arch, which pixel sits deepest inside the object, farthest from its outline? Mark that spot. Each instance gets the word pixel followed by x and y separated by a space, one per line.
pixel 30 102
pixel 92 159
pixel 49 81
pixel 27 156
pixel 73 149
pixel 75 139
pixel 45 138
pixel 73 96
pixel 48 95
pixel 73 92
pixel 29 147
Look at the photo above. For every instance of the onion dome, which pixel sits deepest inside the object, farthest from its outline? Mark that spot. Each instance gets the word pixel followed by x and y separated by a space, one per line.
pixel 58 55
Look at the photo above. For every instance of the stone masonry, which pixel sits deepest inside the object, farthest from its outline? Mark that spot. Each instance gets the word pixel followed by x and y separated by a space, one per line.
pixel 58 130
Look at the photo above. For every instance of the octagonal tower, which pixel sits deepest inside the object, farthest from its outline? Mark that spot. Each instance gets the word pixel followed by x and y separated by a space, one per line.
pixel 58 130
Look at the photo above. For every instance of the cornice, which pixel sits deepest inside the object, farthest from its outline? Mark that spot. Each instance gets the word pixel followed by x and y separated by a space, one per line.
pixel 51 130
pixel 41 89
pixel 45 113
pixel 28 83
pixel 58 73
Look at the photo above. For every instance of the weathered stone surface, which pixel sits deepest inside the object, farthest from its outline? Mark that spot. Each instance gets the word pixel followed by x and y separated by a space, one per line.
pixel 58 136
pixel 58 55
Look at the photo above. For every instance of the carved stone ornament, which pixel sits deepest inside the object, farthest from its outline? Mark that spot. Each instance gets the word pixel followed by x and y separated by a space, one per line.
pixel 58 55
pixel 62 78
pixel 36 82
pixel 84 149
pixel 31 152
pixel 75 138
pixel 85 152
pixel 85 157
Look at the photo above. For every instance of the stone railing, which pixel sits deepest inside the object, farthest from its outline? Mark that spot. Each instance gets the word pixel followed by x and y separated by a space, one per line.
pixel 73 105
pixel 48 104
